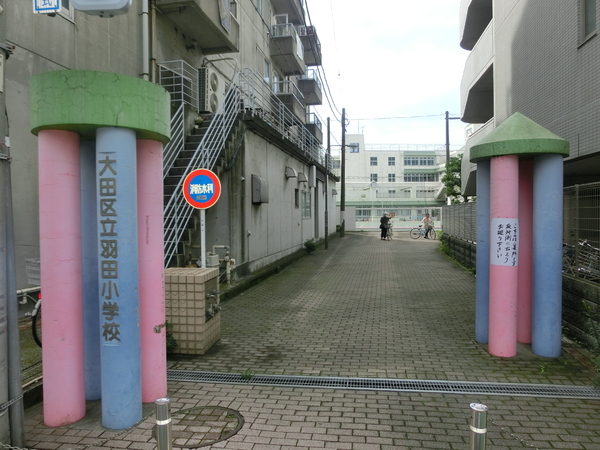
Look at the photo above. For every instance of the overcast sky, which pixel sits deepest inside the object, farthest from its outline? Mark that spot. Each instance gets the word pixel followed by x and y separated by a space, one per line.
pixel 389 59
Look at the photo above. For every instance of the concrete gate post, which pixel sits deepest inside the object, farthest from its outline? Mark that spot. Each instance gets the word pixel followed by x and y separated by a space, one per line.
pixel 514 290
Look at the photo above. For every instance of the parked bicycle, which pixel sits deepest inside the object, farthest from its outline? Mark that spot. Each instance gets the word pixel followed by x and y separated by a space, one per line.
pixel 582 260
pixel 416 233
pixel 390 231
pixel 35 314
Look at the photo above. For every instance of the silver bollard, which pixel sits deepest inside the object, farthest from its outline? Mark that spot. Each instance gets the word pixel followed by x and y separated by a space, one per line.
pixel 478 426
pixel 163 424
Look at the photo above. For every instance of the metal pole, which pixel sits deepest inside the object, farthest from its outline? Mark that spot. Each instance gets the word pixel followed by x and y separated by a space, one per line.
pixel 327 159
pixel 15 380
pixel 11 425
pixel 163 424
pixel 203 238
pixel 478 426
pixel 343 193
pixel 447 140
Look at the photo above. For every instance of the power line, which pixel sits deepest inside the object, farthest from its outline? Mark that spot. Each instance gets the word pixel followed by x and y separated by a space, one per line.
pixel 402 117
pixel 329 97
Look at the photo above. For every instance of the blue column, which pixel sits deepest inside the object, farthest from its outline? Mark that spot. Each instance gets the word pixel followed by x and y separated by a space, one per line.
pixel 118 277
pixel 89 272
pixel 482 283
pixel 547 255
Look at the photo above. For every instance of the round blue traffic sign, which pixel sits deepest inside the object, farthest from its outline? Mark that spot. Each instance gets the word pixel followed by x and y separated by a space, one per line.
pixel 201 188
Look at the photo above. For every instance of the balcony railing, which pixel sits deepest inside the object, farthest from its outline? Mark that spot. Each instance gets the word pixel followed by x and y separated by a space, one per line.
pixel 287 49
pixel 312 45
pixel 259 100
pixel 288 87
pixel 181 81
pixel 311 87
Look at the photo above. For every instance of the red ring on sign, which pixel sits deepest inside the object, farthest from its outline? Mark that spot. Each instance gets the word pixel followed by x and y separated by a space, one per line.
pixel 201 188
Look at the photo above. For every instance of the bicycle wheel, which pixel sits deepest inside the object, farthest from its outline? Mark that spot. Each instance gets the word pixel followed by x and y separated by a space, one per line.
pixel 36 326
pixel 431 234
pixel 415 233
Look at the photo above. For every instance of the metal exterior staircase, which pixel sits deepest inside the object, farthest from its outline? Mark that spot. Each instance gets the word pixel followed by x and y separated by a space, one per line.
pixel 247 94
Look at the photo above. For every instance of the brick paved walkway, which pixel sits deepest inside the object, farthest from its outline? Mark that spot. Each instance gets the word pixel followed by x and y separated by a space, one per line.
pixel 363 308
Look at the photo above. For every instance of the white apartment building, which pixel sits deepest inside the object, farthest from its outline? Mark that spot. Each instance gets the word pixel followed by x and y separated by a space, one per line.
pixel 403 180
pixel 538 58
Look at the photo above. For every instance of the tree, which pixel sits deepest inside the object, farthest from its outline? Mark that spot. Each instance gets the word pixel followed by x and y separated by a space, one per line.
pixel 451 179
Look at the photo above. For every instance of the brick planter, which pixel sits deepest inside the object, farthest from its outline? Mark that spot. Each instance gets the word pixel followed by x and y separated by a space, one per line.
pixel 189 295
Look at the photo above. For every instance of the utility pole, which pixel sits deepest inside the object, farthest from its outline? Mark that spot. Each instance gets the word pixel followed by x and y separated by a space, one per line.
pixel 14 426
pixel 327 159
pixel 448 119
pixel 447 140
pixel 343 201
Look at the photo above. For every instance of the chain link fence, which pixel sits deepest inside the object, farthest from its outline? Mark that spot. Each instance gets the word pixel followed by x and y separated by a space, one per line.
pixel 581 234
pixel 581 229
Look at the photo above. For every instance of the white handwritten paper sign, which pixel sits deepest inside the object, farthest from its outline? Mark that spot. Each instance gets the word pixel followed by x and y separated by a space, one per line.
pixel 504 242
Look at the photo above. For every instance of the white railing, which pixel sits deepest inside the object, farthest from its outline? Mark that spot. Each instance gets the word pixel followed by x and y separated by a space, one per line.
pixel 178 212
pixel 180 80
pixel 177 141
pixel 259 101
pixel 288 29
pixel 288 87
pixel 248 93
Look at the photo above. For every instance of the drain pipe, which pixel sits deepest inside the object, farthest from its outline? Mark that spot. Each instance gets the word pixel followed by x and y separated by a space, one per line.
pixel 478 426
pixel 145 42
pixel 153 41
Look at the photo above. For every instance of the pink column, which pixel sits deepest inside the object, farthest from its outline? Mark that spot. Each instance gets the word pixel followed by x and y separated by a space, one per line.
pixel 60 264
pixel 524 299
pixel 151 269
pixel 504 210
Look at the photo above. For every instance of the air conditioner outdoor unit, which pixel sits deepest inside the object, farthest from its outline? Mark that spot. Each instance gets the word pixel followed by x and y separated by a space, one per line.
pixel 211 90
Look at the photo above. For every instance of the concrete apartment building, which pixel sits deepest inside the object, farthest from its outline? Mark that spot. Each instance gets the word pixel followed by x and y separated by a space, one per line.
pixel 243 85
pixel 401 179
pixel 538 58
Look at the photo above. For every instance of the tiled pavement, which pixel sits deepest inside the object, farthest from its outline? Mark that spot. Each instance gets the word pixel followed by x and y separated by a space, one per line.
pixel 363 308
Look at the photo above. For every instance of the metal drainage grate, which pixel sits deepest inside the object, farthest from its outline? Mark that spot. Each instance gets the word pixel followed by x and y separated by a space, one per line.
pixel 383 384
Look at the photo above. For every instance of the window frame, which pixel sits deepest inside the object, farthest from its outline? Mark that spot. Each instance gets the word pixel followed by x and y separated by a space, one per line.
pixel 585 34
pixel 68 12
pixel 234 9
pixel 306 205
pixel 391 160
pixel 264 65
pixel 373 159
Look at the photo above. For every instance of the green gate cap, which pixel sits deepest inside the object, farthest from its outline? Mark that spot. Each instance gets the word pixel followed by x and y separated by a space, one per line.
pixel 84 100
pixel 519 135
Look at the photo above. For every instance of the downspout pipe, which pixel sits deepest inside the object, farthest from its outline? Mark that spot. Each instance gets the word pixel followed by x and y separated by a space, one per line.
pixel 153 41
pixel 145 42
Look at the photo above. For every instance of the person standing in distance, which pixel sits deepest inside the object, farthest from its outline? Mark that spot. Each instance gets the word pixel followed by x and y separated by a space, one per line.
pixel 427 225
pixel 383 224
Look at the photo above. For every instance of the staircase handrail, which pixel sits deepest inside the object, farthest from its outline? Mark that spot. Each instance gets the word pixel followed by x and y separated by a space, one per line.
pixel 177 141
pixel 178 212
pixel 249 93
